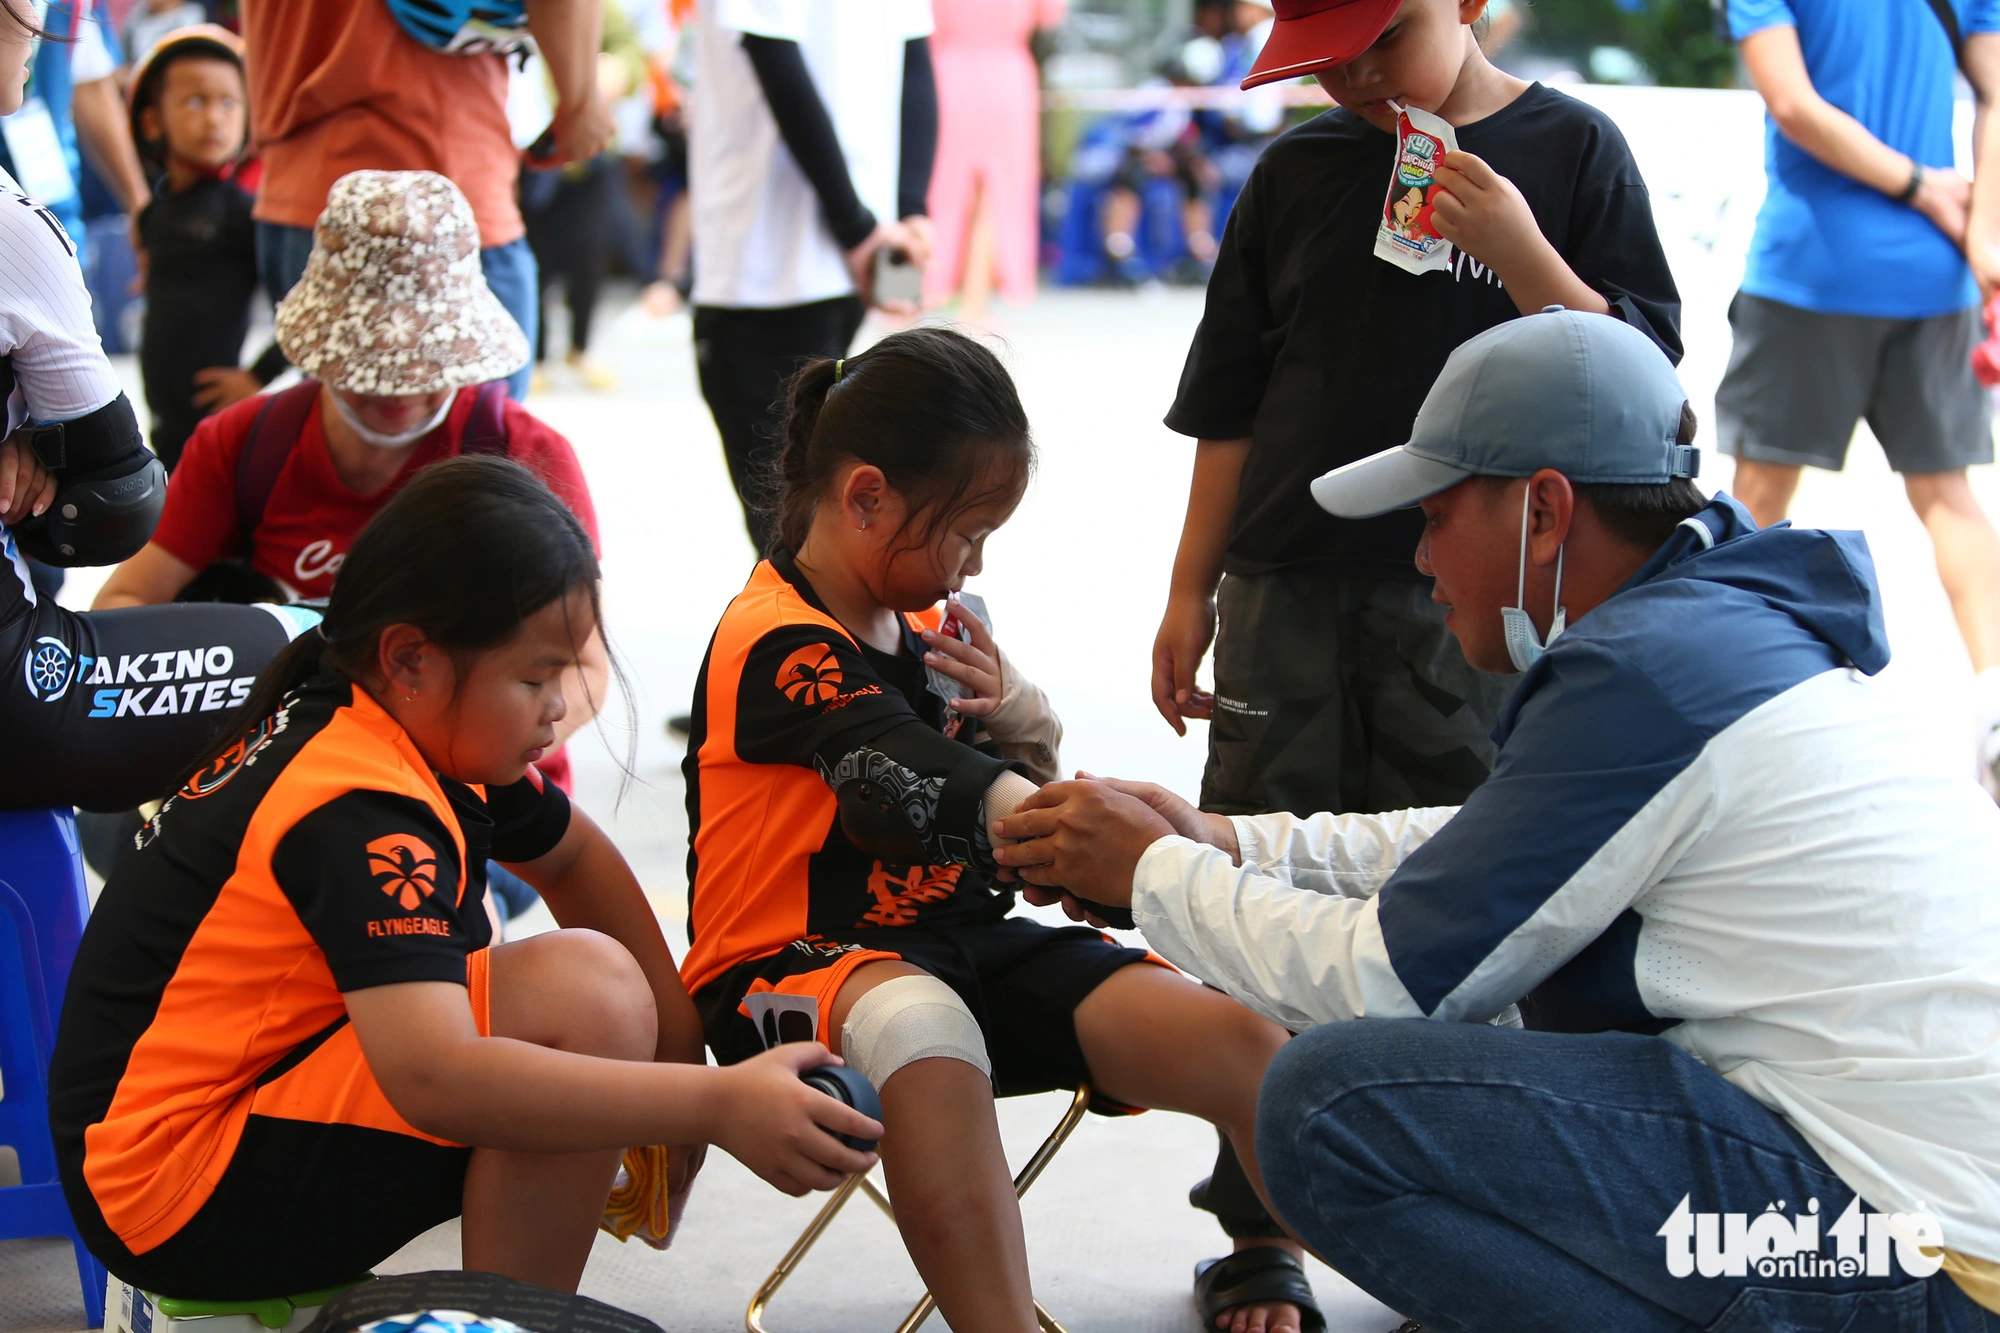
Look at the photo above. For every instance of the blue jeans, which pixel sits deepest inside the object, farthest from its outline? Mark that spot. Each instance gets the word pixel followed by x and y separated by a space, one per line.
pixel 510 271
pixel 513 894
pixel 1473 1177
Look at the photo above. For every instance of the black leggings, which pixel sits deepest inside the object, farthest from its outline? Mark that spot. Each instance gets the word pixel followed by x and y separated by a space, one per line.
pixel 107 709
pixel 575 225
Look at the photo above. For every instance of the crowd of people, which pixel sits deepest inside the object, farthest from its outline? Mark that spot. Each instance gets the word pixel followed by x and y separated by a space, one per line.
pixel 1562 879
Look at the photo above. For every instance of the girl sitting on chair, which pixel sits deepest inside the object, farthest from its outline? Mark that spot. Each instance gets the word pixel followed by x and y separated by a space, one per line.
pixel 287 1048
pixel 842 871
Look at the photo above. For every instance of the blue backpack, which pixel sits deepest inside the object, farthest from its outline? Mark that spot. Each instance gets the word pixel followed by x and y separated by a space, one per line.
pixel 466 27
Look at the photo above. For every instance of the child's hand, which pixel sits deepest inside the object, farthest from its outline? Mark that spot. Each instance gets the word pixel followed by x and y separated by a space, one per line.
pixel 1186 631
pixel 222 385
pixel 1484 214
pixel 26 487
pixel 781 1128
pixel 975 665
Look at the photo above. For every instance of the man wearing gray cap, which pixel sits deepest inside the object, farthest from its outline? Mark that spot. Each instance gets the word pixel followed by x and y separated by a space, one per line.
pixel 1751 926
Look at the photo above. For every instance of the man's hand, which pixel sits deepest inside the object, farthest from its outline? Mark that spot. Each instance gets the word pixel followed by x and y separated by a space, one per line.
pixel 1186 631
pixel 923 239
pixel 778 1127
pixel 26 487
pixel 1085 837
pixel 1486 215
pixel 584 127
pixel 1945 197
pixel 861 263
pixel 220 386
pixel 1191 823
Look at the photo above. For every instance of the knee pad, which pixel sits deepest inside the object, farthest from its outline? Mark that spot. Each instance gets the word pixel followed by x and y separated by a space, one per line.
pixel 910 1019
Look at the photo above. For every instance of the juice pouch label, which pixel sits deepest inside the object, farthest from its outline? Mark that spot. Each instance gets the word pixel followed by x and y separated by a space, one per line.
pixel 1407 237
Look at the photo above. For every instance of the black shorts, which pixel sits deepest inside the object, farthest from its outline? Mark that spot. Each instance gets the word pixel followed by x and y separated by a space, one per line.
pixel 1342 692
pixel 303 1205
pixel 1021 979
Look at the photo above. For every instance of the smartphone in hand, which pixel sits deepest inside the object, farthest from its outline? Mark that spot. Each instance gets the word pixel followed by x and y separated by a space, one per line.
pixel 896 278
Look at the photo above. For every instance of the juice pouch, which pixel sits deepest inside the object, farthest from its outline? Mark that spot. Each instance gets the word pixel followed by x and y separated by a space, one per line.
pixel 1406 236
pixel 943 686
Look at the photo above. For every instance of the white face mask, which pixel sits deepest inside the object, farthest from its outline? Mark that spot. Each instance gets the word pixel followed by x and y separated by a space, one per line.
pixel 1524 645
pixel 397 441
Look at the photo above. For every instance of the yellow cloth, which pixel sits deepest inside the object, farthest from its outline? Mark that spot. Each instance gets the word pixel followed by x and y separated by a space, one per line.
pixel 1977 1278
pixel 638 1202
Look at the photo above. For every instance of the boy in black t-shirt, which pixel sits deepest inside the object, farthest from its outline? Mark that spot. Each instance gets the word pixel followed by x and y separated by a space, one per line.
pixel 1337 686
pixel 190 118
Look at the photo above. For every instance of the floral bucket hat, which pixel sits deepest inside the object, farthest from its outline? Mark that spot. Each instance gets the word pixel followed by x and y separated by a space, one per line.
pixel 393 300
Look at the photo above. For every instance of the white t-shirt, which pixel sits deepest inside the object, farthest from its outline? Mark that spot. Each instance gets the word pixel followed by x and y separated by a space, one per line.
pixel 60 370
pixel 90 59
pixel 760 240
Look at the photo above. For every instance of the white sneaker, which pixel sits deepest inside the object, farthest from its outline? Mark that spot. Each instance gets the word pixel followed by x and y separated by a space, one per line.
pixel 1989 761
pixel 1986 730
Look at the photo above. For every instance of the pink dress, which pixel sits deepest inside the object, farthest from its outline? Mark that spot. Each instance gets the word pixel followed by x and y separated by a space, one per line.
pixel 989 137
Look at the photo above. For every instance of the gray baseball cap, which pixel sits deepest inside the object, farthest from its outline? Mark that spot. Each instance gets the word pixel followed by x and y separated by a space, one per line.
pixel 1587 395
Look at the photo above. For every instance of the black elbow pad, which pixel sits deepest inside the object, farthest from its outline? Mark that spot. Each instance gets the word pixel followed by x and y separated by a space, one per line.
pixel 912 797
pixel 885 809
pixel 109 489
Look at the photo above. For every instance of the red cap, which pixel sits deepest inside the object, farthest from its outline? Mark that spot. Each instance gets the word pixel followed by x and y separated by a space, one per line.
pixel 1312 35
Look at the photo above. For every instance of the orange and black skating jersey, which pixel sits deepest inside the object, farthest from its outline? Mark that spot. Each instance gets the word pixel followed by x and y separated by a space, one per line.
pixel 788 711
pixel 321 856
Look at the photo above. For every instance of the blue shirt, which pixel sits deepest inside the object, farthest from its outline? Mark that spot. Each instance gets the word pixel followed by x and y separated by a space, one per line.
pixel 1825 241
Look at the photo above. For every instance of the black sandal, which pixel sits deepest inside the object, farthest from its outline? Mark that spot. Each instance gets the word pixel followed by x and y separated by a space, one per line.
pixel 1259 1275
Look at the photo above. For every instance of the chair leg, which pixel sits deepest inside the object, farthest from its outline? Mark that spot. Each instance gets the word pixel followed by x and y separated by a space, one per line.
pixel 1022 1180
pixel 753 1319
pixel 91 1275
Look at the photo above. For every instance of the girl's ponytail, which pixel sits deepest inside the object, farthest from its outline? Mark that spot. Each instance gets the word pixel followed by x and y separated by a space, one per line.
pixel 296 663
pixel 933 409
pixel 794 497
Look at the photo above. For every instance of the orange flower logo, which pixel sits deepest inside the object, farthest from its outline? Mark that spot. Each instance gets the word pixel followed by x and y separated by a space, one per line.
pixel 810 676
pixel 225 765
pixel 404 867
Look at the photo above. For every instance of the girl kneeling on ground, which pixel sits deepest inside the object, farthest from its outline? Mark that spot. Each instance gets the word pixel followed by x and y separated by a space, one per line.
pixel 842 869
pixel 288 1048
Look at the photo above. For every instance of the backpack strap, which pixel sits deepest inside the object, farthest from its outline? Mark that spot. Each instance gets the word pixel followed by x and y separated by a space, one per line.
pixel 266 448
pixel 486 428
pixel 1949 18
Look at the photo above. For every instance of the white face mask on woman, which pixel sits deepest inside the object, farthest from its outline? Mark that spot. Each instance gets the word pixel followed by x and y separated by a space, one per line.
pixel 1524 645
pixel 401 439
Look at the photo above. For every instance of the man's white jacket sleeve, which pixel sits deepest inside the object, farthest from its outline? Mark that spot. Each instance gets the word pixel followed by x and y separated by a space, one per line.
pixel 1602 783
pixel 1288 932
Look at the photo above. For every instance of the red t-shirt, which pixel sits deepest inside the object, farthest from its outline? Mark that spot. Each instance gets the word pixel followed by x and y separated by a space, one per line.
pixel 312 518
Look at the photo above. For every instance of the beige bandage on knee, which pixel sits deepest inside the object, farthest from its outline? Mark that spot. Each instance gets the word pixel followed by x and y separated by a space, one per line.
pixel 906 1020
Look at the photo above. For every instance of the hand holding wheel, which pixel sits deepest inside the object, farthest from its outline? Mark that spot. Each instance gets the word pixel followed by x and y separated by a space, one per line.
pixel 847 1085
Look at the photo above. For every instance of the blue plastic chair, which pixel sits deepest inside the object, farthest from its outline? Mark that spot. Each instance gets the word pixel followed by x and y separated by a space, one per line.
pixel 43 905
